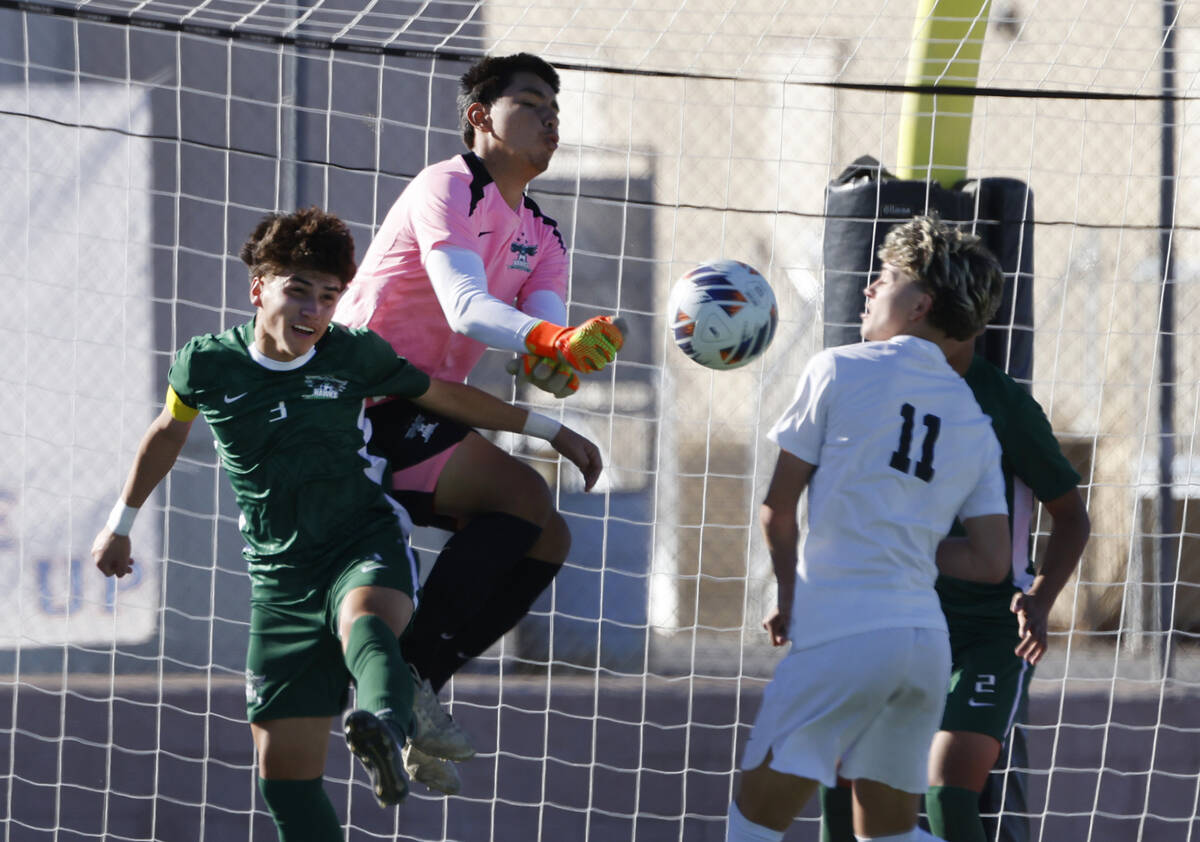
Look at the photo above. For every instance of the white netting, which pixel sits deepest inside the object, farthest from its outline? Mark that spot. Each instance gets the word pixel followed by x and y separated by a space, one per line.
pixel 140 142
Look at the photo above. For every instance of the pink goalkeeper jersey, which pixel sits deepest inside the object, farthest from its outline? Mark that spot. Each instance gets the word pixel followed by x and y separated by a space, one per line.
pixel 452 203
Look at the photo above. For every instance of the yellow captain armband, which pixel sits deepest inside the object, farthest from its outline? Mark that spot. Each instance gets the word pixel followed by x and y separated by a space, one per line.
pixel 180 411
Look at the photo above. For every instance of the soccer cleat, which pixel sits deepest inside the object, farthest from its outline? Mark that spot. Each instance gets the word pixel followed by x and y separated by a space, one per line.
pixel 377 746
pixel 434 729
pixel 434 772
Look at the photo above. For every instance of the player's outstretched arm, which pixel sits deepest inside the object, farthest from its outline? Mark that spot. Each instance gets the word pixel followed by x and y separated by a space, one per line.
pixel 459 281
pixel 781 528
pixel 160 447
pixel 985 555
pixel 1068 536
pixel 476 408
pixel 548 374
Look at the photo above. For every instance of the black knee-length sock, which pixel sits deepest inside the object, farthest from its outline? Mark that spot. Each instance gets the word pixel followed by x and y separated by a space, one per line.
pixel 474 565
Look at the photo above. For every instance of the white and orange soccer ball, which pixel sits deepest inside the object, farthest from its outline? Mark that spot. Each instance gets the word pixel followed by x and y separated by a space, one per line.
pixel 722 314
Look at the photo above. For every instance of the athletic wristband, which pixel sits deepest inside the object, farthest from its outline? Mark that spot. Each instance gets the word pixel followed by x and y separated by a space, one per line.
pixel 120 519
pixel 541 426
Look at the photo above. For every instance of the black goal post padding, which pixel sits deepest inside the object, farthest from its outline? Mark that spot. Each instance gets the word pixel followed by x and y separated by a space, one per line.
pixel 865 201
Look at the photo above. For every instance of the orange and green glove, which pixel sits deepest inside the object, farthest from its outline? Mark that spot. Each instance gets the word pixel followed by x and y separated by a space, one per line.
pixel 589 347
pixel 549 375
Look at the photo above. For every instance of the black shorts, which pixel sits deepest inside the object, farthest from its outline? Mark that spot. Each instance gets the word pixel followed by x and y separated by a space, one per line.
pixel 407 435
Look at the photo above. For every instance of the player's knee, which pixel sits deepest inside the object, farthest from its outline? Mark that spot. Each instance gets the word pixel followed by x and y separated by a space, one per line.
pixel 393 607
pixel 554 543
pixel 512 487
pixel 535 502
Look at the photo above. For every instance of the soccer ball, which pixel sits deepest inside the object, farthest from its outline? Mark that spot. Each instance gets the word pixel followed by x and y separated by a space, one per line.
pixel 722 314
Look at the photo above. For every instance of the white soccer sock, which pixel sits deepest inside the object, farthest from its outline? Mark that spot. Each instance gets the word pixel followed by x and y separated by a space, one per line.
pixel 914 835
pixel 741 829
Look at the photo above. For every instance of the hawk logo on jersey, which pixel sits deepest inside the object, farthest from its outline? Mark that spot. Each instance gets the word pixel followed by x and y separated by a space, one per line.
pixel 420 428
pixel 323 386
pixel 523 253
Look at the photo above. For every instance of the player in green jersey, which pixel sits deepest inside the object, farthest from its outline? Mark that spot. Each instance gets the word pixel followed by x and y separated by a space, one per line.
pixel 332 576
pixel 997 632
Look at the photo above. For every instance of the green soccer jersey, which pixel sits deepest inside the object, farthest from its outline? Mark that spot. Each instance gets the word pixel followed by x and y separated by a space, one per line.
pixel 1034 467
pixel 292 437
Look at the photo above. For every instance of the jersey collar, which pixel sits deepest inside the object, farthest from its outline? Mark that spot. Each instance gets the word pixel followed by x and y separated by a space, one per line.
pixel 916 344
pixel 274 365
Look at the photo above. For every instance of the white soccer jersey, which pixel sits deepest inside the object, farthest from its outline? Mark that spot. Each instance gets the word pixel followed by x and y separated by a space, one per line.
pixel 901 449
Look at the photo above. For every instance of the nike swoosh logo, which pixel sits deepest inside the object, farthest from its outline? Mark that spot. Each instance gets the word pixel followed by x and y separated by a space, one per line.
pixel 232 398
pixel 481 233
pixel 976 704
pixel 371 566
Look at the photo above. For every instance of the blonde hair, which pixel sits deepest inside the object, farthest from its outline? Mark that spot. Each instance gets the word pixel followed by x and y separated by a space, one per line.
pixel 954 267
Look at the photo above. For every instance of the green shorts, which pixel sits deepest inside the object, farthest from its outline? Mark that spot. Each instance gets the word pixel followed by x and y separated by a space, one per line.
pixel 987 683
pixel 294 664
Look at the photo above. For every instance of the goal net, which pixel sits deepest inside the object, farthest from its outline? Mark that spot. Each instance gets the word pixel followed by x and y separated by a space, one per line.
pixel 141 141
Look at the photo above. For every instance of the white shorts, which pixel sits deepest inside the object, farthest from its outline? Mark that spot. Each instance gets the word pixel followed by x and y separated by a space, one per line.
pixel 870 702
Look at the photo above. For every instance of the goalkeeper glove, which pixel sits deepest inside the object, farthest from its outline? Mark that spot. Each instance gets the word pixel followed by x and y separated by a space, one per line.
pixel 589 347
pixel 548 375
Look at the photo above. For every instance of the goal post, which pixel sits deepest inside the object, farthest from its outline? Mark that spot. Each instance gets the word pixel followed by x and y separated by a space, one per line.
pixel 141 141
pixel 935 128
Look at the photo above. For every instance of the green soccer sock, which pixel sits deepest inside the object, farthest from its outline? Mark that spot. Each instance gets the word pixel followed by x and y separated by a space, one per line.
pixel 954 814
pixel 381 676
pixel 837 814
pixel 302 810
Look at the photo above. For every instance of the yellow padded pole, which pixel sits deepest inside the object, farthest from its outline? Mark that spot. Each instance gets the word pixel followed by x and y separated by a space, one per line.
pixel 935 129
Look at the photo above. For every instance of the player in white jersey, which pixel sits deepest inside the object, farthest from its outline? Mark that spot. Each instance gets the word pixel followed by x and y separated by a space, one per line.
pixel 892 447
pixel 465 260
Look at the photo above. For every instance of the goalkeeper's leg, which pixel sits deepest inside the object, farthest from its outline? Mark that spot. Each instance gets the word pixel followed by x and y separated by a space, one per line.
pixel 509 544
pixel 526 580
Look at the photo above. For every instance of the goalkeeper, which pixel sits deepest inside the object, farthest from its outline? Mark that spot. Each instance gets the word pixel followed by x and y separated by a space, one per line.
pixel 332 577
pixel 464 261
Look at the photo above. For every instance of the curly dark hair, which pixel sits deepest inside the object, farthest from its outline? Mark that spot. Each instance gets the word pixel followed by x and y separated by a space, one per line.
pixel 307 239
pixel 954 267
pixel 487 78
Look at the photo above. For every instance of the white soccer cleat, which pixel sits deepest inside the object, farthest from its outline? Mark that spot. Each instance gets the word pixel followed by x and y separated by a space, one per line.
pixel 437 774
pixel 434 730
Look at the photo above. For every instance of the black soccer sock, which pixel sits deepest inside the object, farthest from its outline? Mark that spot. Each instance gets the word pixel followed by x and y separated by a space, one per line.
pixel 464 579
pixel 954 813
pixel 302 810
pixel 529 578
pixel 382 679
pixel 837 814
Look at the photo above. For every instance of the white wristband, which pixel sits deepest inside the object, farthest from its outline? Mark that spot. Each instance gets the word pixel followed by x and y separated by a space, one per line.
pixel 541 426
pixel 120 519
